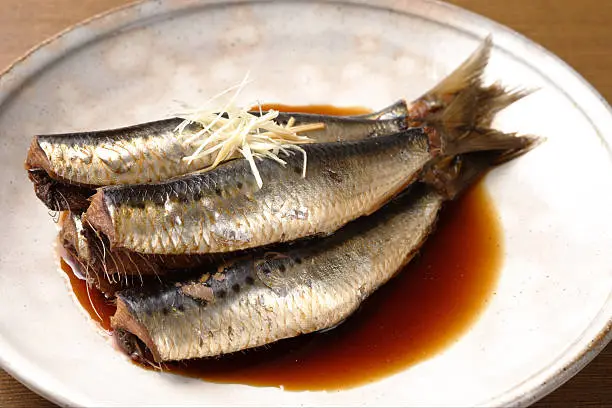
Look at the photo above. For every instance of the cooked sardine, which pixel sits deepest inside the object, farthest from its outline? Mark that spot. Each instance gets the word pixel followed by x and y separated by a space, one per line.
pixel 66 168
pixel 225 210
pixel 261 299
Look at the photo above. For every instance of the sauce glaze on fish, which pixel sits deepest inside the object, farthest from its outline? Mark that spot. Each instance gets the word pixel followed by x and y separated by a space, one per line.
pixel 425 308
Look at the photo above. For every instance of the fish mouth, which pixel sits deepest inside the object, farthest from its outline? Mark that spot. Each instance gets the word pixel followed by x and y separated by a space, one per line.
pixel 132 337
pixel 58 195
pixel 133 347
pixel 36 157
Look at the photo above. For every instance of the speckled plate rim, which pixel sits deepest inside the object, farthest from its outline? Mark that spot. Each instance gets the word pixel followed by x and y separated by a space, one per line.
pixel 591 104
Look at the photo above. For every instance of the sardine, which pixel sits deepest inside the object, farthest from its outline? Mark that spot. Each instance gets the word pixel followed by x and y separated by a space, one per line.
pixel 272 296
pixel 223 210
pixel 77 163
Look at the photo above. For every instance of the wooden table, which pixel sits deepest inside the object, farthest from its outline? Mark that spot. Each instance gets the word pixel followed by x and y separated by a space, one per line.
pixel 580 32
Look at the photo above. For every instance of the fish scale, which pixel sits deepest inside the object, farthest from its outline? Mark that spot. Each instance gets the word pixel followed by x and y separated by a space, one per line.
pixel 371 175
pixel 154 151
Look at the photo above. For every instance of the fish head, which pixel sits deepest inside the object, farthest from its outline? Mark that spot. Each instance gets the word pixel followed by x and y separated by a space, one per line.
pixel 132 346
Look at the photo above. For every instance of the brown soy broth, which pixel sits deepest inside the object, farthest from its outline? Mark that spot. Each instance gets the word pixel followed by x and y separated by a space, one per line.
pixel 93 301
pixel 424 309
pixel 320 109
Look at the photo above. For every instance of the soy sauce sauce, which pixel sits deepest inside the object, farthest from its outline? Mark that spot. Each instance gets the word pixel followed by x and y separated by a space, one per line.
pixel 426 308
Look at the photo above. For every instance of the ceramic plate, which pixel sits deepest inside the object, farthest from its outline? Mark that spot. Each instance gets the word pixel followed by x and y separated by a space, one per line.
pixel 551 310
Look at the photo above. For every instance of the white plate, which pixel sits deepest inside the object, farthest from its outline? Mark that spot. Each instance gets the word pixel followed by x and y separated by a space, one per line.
pixel 552 308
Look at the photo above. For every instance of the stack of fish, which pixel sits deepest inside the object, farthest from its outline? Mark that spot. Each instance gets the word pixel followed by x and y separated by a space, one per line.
pixel 203 263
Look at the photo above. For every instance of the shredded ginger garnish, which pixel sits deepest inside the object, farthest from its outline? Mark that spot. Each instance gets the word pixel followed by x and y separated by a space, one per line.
pixel 231 131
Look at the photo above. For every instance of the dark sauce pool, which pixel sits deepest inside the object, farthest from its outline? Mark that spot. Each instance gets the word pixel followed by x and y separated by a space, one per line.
pixel 427 307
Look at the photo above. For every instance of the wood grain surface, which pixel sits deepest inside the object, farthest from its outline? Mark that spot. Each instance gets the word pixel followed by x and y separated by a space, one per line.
pixel 577 31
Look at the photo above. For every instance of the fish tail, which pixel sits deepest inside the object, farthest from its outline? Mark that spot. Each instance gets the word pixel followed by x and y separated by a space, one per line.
pixel 468 140
pixel 461 109
pixel 464 125
pixel 528 142
pixel 467 76
pixel 451 175
pixel 487 102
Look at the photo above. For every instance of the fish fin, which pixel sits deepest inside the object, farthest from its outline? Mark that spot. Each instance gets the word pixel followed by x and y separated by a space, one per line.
pixel 460 110
pixel 476 106
pixel 466 140
pixel 463 126
pixel 451 175
pixel 460 107
pixel 529 142
pixel 395 110
pixel 454 174
pixel 490 100
pixel 467 75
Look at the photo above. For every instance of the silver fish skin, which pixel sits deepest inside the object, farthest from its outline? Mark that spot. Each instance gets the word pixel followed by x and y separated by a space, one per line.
pixel 155 151
pixel 224 210
pixel 136 154
pixel 302 288
pixel 260 300
pixel 75 163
